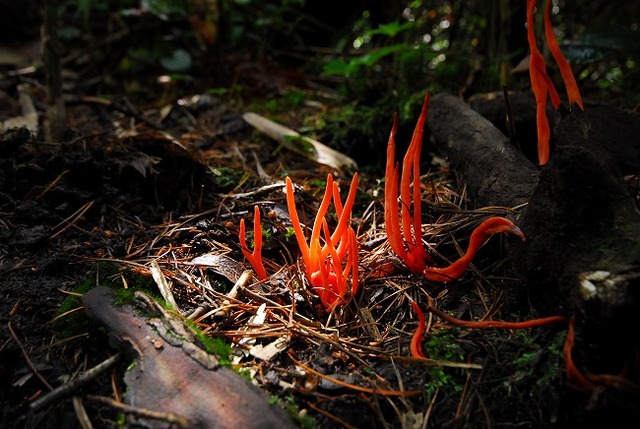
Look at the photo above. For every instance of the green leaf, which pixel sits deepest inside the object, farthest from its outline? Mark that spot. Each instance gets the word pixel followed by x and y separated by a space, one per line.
pixel 342 68
pixel 391 29
pixel 163 8
pixel 336 67
pixel 179 61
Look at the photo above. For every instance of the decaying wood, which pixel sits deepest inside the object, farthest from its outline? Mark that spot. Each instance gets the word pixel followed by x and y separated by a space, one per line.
pixel 171 374
pixel 494 171
pixel 582 253
pixel 611 130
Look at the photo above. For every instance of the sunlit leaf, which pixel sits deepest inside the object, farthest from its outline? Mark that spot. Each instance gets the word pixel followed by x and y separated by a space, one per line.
pixel 301 145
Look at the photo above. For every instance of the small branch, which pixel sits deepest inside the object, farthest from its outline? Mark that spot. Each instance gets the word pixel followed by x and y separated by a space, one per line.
pixel 69 388
pixel 26 357
pixel 169 417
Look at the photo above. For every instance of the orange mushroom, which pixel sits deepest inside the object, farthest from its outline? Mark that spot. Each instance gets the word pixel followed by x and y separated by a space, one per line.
pixel 541 83
pixel 479 236
pixel 406 241
pixel 417 339
pixel 325 254
pixel 255 257
pixel 404 231
pixel 574 376
pixel 573 93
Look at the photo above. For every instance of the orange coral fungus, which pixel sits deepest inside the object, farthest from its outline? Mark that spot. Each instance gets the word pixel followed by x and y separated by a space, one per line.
pixel 255 257
pixel 574 376
pixel 326 253
pixel 416 339
pixel 404 232
pixel 585 382
pixel 479 236
pixel 573 93
pixel 485 324
pixel 541 83
pixel 588 382
pixel 406 242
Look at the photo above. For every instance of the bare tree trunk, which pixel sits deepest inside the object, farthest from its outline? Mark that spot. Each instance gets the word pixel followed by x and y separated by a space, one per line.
pixel 494 171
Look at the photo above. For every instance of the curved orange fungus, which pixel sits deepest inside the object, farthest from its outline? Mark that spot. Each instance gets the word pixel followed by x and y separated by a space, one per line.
pixel 416 338
pixel 479 236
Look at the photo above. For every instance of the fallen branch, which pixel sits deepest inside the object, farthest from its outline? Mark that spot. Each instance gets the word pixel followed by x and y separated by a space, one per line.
pixel 492 169
pixel 74 385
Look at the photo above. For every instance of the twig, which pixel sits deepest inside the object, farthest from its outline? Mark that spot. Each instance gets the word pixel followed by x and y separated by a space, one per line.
pixel 72 219
pixel 163 284
pixel 330 416
pixel 68 388
pixel 81 413
pixel 373 391
pixel 55 123
pixel 509 120
pixel 26 357
pixel 233 293
pixel 484 324
pixel 169 417
pixel 52 184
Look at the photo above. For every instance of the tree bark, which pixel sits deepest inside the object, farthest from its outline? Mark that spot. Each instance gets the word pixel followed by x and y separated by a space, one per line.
pixel 581 257
pixel 494 171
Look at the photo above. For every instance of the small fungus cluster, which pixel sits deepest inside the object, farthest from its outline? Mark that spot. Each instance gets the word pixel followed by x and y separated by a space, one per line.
pixel 331 258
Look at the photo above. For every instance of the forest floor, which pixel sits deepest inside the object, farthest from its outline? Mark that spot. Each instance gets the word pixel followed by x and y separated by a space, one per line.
pixel 138 195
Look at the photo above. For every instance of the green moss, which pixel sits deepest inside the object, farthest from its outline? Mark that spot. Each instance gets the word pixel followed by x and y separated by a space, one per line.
pixel 283 104
pixel 212 345
pixel 73 301
pixel 226 178
pixel 442 345
pixel 124 296
pixel 245 373
pixel 138 282
pixel 442 378
pixel 69 320
pixel 289 234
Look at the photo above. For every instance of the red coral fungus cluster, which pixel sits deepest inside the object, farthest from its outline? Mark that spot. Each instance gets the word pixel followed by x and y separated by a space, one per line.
pixel 404 231
pixel 255 257
pixel 330 259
